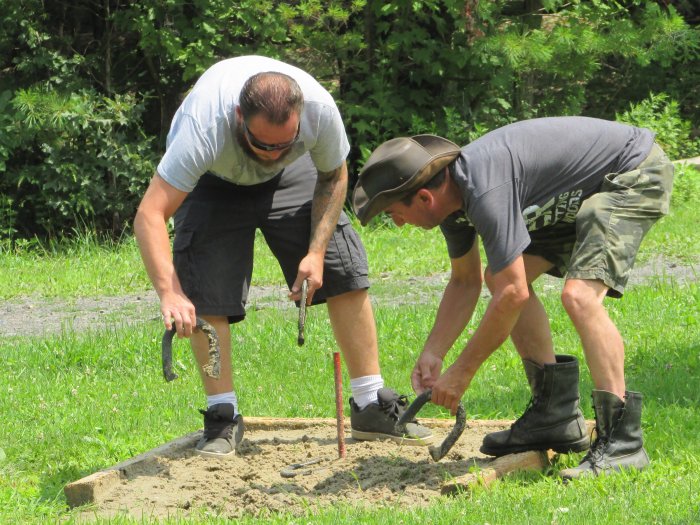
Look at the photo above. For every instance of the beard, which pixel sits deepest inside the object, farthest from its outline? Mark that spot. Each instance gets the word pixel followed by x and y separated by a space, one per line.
pixel 277 163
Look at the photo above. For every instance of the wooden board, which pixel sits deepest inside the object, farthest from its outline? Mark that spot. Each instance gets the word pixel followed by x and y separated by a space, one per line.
pixel 497 468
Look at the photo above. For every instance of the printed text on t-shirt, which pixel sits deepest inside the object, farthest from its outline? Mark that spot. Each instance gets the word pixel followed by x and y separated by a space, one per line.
pixel 561 208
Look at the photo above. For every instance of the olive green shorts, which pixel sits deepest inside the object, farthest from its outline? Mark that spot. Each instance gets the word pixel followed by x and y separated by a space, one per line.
pixel 604 241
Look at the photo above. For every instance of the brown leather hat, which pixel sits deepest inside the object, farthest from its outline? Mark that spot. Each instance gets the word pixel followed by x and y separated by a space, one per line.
pixel 397 168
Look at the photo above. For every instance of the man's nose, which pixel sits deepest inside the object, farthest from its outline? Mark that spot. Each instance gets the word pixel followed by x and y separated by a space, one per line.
pixel 398 220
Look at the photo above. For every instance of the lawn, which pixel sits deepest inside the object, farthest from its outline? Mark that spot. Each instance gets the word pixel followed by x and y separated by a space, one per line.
pixel 75 403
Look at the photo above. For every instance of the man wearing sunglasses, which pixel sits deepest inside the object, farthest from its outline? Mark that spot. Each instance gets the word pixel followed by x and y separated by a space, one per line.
pixel 259 144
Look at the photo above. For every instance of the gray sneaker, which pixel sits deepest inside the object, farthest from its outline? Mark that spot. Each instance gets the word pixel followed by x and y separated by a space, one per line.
pixel 377 420
pixel 222 432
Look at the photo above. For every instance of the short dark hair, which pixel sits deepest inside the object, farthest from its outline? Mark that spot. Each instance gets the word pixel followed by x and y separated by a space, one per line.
pixel 274 95
pixel 435 182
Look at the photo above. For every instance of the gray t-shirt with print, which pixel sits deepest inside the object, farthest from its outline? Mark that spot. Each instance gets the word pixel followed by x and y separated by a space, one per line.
pixel 532 174
pixel 202 134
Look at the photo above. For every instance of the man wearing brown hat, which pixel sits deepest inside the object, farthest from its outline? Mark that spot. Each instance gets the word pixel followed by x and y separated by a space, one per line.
pixel 568 196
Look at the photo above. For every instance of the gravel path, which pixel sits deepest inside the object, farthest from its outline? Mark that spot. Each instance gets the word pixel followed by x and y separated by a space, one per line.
pixel 39 316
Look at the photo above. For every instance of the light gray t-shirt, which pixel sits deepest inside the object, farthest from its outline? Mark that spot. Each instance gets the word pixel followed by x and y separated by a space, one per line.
pixel 532 174
pixel 202 134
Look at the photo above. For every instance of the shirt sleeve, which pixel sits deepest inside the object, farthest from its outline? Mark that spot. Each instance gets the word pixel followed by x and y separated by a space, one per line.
pixel 188 156
pixel 459 234
pixel 332 146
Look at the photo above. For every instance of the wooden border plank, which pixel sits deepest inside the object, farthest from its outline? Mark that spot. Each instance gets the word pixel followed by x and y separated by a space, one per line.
pixel 91 488
pixel 498 468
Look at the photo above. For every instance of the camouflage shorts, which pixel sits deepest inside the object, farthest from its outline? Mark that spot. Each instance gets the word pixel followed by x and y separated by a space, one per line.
pixel 610 225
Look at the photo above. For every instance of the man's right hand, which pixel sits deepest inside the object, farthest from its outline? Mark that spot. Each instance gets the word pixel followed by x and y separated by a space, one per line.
pixel 426 372
pixel 177 309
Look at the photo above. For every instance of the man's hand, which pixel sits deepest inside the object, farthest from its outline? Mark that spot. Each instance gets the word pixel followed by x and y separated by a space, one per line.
pixel 449 389
pixel 178 310
pixel 426 372
pixel 311 270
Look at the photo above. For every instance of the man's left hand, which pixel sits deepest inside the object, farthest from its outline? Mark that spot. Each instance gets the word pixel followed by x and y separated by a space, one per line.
pixel 311 270
pixel 449 389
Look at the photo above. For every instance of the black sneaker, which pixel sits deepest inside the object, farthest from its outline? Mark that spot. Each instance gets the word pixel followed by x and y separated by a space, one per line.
pixel 378 420
pixel 222 432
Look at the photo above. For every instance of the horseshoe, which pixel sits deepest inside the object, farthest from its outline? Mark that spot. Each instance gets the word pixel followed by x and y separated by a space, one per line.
pixel 302 311
pixel 436 452
pixel 212 368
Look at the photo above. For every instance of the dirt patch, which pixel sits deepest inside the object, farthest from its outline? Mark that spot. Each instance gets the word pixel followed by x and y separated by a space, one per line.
pixel 181 483
pixel 36 316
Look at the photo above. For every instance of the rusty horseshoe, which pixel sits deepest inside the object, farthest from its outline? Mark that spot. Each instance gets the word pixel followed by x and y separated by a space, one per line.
pixel 436 452
pixel 212 368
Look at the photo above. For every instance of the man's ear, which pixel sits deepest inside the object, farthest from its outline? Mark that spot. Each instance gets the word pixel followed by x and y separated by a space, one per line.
pixel 425 196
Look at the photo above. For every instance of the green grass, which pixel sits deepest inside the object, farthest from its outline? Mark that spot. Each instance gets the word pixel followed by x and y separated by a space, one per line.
pixel 75 403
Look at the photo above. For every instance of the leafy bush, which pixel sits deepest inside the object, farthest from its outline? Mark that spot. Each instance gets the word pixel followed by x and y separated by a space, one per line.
pixel 72 152
pixel 661 114
pixel 77 158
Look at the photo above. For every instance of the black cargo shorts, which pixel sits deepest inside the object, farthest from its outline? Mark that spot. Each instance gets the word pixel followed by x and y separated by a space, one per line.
pixel 215 232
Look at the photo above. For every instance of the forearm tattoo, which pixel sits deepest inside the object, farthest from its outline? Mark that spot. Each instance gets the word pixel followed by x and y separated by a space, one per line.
pixel 329 196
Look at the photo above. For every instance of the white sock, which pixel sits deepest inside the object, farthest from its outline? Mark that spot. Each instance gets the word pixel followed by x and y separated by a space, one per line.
pixel 364 389
pixel 227 397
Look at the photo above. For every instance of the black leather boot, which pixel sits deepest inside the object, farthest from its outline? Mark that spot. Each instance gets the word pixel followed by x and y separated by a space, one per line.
pixel 553 418
pixel 618 442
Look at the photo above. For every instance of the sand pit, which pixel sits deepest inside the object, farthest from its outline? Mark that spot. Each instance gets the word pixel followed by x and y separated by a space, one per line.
pixel 173 481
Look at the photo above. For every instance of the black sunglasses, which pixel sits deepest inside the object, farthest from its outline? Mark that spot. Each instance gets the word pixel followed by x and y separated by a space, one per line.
pixel 269 147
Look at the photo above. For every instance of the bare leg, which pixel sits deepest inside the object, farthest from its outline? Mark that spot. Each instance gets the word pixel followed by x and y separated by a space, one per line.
pixel 200 348
pixel 531 334
pixel 601 340
pixel 353 325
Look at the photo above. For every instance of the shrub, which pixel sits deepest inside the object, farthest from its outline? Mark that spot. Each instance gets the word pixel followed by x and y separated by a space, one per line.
pixel 662 115
pixel 78 158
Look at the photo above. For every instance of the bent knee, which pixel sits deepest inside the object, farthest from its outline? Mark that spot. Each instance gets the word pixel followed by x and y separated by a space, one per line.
pixel 579 296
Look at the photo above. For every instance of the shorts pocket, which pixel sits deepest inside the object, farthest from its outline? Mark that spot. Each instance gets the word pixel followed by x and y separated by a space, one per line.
pixel 647 189
pixel 182 241
pixel 355 251
pixel 182 260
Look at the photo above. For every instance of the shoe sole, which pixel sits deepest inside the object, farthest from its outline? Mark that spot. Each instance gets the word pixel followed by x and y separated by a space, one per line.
pixel 561 448
pixel 218 455
pixel 402 440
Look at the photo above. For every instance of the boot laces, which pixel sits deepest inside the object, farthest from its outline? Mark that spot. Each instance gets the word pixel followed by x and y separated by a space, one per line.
pixel 598 450
pixel 526 413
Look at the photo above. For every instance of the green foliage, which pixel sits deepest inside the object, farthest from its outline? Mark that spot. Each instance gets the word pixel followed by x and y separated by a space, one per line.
pixel 77 158
pixel 662 115
pixel 456 68
pixel 686 185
